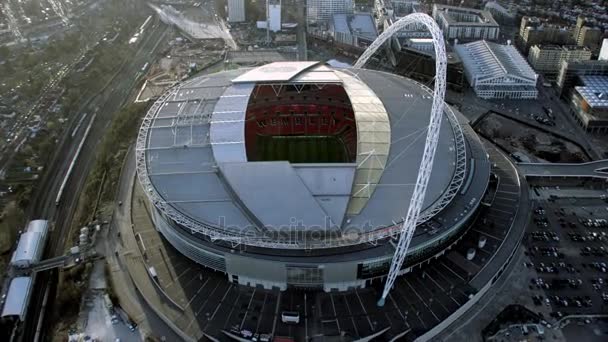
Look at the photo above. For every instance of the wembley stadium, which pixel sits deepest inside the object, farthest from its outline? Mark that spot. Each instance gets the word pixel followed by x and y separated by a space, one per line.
pixel 298 174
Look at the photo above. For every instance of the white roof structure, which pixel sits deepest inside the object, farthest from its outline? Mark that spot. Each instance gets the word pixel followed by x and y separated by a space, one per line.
pixel 486 60
pixel 17 297
pixel 31 244
pixel 274 72
pixel 192 158
pixel 497 71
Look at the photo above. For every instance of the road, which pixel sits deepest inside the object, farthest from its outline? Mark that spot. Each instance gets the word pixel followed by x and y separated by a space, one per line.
pixel 110 99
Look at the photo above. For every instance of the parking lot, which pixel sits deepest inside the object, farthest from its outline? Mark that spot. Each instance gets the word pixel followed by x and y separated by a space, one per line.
pixel 567 243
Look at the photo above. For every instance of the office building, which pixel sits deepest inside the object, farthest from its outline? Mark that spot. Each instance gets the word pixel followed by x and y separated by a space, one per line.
pixel 321 11
pixel 570 73
pixel 465 23
pixel 586 35
pixel 534 31
pixel 497 71
pixel 548 58
pixel 589 103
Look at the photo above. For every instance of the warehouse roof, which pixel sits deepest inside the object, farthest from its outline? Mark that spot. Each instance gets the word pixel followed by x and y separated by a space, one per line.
pixel 489 60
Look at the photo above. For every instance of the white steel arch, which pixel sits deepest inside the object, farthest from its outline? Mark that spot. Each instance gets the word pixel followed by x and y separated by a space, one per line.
pixel 432 137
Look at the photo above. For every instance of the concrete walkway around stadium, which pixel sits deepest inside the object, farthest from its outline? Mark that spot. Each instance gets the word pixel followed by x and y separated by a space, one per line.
pixel 127 270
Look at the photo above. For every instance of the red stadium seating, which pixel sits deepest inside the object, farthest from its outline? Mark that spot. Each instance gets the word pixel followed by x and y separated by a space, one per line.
pixel 308 112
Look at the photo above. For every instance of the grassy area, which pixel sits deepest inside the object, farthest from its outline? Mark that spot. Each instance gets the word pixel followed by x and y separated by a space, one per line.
pixel 298 149
pixel 11 221
pixel 109 160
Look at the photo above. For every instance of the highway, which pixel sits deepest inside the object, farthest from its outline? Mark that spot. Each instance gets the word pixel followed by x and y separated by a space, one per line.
pixel 109 100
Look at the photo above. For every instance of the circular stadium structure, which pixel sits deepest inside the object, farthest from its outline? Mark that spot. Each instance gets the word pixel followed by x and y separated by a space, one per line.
pixel 297 174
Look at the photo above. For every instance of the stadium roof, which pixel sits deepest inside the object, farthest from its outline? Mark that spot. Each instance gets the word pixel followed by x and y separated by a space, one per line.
pixel 274 72
pixel 17 297
pixel 196 160
pixel 595 90
pixel 487 60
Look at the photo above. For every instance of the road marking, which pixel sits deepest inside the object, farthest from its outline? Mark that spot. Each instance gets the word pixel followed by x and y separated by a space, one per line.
pixel 352 318
pixel 452 271
pixel 247 310
pixel 196 294
pixel 488 235
pixel 365 311
pixel 335 313
pixel 422 300
pixel 396 306
pixel 217 307
pixel 276 314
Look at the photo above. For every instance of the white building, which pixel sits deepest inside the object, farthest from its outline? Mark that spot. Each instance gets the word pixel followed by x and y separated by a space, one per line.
pixel 549 58
pixel 321 10
pixel 497 71
pixel 604 51
pixel 465 23
pixel 421 44
pixel 274 15
pixel 236 11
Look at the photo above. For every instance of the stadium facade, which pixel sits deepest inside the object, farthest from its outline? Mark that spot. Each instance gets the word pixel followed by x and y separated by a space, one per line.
pixel 296 174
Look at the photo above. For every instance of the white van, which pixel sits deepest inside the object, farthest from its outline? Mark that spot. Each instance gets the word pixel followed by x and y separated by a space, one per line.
pixel 290 317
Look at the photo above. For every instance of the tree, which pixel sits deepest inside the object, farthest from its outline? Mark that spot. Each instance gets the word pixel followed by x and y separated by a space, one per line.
pixel 5 52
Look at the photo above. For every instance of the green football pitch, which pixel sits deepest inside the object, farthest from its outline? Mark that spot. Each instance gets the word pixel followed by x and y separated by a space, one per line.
pixel 300 149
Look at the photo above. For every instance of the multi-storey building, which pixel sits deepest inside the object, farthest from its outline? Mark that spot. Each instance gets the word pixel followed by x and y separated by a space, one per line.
pixel 497 71
pixel 586 35
pixel 548 58
pixel 465 23
pixel 570 73
pixel 589 103
pixel 534 31
pixel 321 11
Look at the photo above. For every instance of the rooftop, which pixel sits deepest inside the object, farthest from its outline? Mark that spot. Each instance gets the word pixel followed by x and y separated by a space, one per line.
pixel 360 24
pixel 197 164
pixel 561 47
pixel 461 15
pixel 595 91
pixel 17 297
pixel 492 60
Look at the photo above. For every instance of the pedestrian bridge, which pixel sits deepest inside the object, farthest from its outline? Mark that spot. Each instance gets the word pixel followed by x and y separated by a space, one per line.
pixel 594 169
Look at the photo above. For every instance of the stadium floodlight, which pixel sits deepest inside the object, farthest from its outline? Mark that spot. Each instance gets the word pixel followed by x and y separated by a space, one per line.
pixel 432 138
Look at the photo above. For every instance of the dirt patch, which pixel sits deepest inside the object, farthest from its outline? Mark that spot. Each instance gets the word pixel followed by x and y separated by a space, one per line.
pixel 528 143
